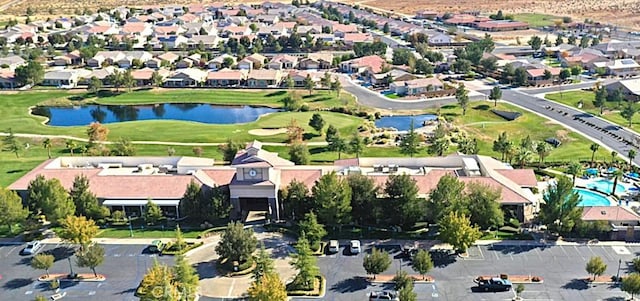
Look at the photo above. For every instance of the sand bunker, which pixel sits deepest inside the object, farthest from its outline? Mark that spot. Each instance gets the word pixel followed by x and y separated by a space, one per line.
pixel 267 132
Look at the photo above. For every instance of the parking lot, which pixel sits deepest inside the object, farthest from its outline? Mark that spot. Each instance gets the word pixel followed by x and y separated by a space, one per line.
pixel 124 267
pixel 561 267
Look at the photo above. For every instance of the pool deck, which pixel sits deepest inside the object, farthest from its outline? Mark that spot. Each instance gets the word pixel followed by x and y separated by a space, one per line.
pixel 623 197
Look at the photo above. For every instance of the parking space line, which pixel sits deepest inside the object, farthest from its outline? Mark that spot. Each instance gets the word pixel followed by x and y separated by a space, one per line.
pixel 481 255
pixel 579 254
pixel 590 249
pixel 496 254
pixel 563 250
pixel 538 253
pixel 606 253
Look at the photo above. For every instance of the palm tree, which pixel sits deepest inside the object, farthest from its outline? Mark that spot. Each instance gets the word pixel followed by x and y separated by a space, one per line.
pixel 631 155
pixel 616 174
pixel 613 157
pixel 594 148
pixel 523 155
pixel 47 145
pixel 542 148
pixel 71 145
pixel 574 169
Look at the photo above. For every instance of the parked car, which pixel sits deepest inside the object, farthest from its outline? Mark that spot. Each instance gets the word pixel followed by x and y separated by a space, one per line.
pixel 493 284
pixel 32 248
pixel 354 247
pixel 383 295
pixel 334 247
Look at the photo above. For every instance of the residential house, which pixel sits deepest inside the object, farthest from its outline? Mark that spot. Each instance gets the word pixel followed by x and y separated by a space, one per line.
pixel 132 56
pixel 101 74
pixel 254 61
pixel 226 78
pixel 105 57
pixel 143 76
pixel 189 77
pixel 12 62
pixel 218 61
pixel 172 42
pixel 536 76
pixel 268 19
pixel 440 39
pixel 352 38
pixel 169 57
pixel 416 86
pixel 153 63
pixel 316 61
pixel 299 77
pixel 138 30
pixel 341 30
pixel 188 62
pixel 208 41
pixel 260 78
pixel 8 79
pixel 621 68
pixel 394 75
pixel 71 58
pixel 371 63
pixel 283 61
pixel 63 78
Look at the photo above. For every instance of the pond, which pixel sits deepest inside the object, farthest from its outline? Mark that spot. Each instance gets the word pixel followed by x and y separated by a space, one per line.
pixel 403 122
pixel 197 112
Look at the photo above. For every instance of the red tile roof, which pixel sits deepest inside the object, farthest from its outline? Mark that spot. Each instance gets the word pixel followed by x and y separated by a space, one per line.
pixel 220 177
pixel 306 176
pixel 522 177
pixel 609 213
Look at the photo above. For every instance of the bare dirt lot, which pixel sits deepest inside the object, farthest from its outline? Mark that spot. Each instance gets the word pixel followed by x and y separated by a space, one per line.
pixel 624 12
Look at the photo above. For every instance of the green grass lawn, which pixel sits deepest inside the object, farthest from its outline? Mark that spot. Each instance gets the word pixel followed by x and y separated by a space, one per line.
pixel 14 114
pixel 536 20
pixel 145 233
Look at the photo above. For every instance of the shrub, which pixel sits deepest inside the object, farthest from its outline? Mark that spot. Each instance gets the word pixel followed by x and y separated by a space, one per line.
pixel 535 279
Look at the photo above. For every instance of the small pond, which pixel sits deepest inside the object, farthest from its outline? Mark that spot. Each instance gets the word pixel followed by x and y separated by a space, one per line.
pixel 197 112
pixel 403 122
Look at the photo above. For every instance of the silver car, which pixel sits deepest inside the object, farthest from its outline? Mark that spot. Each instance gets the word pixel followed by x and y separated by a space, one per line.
pixel 32 248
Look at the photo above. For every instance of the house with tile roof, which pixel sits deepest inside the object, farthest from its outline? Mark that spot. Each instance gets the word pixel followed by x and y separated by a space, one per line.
pixel 226 78
pixel 371 63
pixel 624 223
pixel 255 177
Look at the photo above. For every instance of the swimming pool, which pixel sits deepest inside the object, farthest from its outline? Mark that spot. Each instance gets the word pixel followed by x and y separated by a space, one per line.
pixel 590 198
pixel 605 186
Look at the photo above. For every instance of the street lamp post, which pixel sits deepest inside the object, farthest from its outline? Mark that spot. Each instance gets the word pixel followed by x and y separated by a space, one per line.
pixel 618 274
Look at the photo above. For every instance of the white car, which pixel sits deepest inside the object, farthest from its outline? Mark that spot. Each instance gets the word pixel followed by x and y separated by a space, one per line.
pixel 383 295
pixel 32 248
pixel 334 247
pixel 354 247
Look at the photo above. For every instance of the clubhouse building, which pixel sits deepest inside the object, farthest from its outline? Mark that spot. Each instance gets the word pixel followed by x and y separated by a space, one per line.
pixel 255 176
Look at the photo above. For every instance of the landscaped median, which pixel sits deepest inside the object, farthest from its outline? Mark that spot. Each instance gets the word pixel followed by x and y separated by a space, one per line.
pixel 235 269
pixel 515 279
pixel 319 287
pixel 388 278
pixel 78 277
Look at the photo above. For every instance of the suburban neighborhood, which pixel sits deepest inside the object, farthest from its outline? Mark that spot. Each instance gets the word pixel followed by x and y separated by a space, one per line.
pixel 330 150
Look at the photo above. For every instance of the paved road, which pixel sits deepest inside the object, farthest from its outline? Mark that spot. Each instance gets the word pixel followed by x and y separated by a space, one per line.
pixel 376 100
pixel 561 267
pixel 605 133
pixel 598 130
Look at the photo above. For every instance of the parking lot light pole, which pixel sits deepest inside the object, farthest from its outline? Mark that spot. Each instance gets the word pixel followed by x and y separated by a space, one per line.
pixel 70 268
pixel 618 274
pixel 130 228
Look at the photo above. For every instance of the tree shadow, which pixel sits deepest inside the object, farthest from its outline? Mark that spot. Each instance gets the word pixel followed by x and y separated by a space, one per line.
pixel 448 107
pixel 317 150
pixel 127 291
pixel 309 136
pixel 17 283
pixel 24 261
pixel 60 253
pixel 576 284
pixel 206 270
pixel 351 285
pixel 482 107
pixel 15 171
